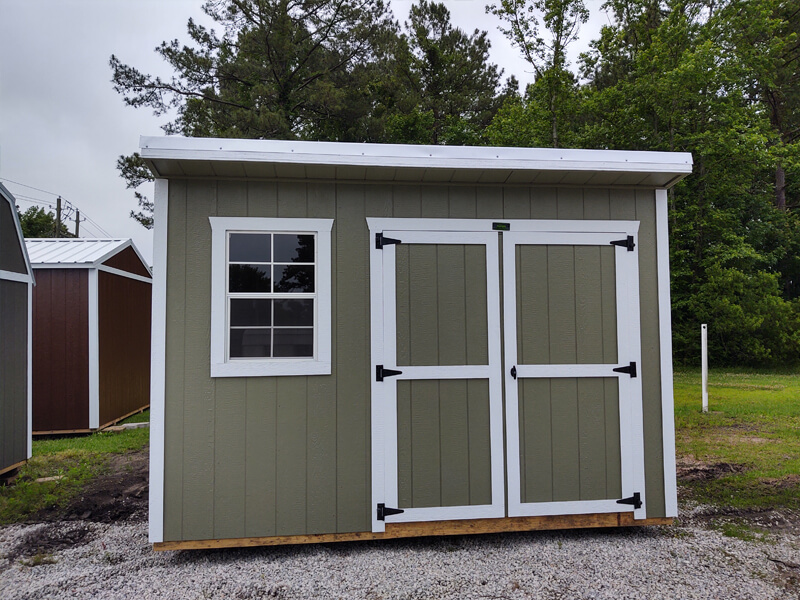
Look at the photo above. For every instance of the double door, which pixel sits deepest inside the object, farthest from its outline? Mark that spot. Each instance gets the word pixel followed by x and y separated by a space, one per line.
pixel 505 359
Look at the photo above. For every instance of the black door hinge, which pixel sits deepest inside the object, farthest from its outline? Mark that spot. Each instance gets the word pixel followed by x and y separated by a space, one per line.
pixel 635 500
pixel 381 241
pixel 514 372
pixel 380 373
pixel 626 243
pixel 630 370
pixel 384 512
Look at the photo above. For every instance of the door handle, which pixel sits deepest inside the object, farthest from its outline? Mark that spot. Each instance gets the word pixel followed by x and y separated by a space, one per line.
pixel 514 372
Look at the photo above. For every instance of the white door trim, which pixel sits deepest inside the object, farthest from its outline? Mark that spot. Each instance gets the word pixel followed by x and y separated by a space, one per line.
pixel 384 394
pixel 631 426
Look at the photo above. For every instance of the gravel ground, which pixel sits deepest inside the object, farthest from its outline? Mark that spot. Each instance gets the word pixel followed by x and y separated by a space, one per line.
pixel 115 561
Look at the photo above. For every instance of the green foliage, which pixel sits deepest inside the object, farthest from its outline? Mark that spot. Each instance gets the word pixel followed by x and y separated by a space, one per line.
pixel 551 98
pixel 38 223
pixel 711 78
pixel 452 91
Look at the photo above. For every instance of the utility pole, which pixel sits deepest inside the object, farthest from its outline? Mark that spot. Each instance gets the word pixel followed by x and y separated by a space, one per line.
pixel 58 217
pixel 77 222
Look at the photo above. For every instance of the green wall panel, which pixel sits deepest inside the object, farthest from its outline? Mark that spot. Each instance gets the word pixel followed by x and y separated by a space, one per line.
pixel 291 455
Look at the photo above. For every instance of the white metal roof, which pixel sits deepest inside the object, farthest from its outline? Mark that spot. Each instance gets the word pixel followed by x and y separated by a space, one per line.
pixel 76 252
pixel 175 156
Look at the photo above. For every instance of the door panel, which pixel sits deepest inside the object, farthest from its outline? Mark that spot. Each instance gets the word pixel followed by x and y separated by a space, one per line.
pixel 567 304
pixel 569 439
pixel 438 287
pixel 444 445
pixel 574 427
pixel 441 414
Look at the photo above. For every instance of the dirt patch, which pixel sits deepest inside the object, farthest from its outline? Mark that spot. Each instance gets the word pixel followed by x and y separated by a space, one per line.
pixel 51 538
pixel 120 494
pixel 782 483
pixel 691 469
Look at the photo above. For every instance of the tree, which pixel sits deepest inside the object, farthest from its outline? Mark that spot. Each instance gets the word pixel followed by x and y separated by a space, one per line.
pixel 38 223
pixel 764 38
pixel 453 91
pixel 690 76
pixel 280 69
pixel 562 19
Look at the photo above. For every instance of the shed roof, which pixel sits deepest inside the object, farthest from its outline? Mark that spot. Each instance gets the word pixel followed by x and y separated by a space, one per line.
pixel 181 157
pixel 7 196
pixel 76 252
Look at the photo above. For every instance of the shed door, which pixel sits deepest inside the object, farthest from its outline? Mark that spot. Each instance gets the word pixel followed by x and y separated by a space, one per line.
pixel 573 423
pixel 440 399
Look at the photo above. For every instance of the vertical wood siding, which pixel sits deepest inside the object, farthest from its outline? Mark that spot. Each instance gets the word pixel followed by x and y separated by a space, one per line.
pixel 61 350
pixel 291 455
pixel 13 372
pixel 124 345
pixel 127 260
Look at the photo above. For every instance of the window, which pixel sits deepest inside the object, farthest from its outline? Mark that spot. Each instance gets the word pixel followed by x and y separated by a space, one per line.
pixel 271 297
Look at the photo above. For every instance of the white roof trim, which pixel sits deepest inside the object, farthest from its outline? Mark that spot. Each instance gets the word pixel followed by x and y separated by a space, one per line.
pixel 12 201
pixel 413 156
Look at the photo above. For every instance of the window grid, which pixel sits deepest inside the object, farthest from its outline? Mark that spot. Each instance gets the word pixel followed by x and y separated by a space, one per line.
pixel 271 295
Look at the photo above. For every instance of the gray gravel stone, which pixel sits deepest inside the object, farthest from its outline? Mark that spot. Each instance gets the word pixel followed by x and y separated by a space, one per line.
pixel 116 561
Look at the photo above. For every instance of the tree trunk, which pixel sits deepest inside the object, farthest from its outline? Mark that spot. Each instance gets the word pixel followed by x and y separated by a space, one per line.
pixel 780 187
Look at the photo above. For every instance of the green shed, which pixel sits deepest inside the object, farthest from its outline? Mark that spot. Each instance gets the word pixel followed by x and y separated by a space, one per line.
pixel 16 285
pixel 363 341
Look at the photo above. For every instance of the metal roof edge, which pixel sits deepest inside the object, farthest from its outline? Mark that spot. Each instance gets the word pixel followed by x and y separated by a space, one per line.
pixel 122 244
pixel 412 156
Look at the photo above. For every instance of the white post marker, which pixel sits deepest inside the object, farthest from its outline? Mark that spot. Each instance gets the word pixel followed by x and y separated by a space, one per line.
pixel 704 352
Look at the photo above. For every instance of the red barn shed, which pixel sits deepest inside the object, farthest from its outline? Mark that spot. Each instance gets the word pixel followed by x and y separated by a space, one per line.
pixel 91 333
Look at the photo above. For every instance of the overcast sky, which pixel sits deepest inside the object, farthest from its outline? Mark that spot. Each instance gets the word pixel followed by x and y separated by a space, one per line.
pixel 62 126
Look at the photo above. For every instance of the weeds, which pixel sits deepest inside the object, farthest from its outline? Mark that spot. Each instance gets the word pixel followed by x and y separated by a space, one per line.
pixel 38 560
pixel 78 459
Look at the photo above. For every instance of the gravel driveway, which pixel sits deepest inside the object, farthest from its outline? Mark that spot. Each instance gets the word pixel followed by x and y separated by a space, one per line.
pixel 115 561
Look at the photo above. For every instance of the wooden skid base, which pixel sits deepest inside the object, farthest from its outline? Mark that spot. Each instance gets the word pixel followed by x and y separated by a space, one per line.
pixel 62 431
pixel 431 528
pixel 12 467
pixel 109 424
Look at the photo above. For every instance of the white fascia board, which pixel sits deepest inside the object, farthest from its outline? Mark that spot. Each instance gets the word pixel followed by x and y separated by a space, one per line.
pixel 413 156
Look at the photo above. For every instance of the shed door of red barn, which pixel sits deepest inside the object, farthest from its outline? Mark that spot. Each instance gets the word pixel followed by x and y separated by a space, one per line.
pixel 572 378
pixel 439 383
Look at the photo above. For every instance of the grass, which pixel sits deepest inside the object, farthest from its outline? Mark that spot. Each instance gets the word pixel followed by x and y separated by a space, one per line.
pixel 142 417
pixel 754 422
pixel 76 459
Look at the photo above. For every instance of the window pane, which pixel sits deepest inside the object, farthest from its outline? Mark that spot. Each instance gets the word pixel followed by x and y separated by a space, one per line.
pixel 250 343
pixel 294 313
pixel 249 247
pixel 294 278
pixel 249 278
pixel 294 248
pixel 247 311
pixel 294 342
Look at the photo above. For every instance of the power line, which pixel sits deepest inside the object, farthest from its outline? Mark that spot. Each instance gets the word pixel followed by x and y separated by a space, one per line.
pixel 68 208
pixel 28 186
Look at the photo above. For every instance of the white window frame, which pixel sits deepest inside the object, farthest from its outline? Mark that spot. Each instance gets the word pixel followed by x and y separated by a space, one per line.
pixel 320 363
